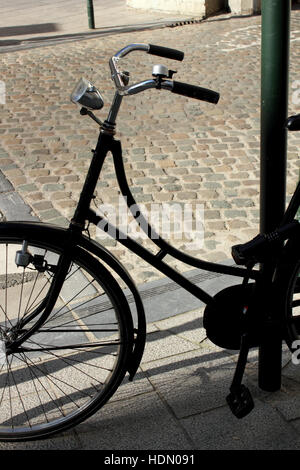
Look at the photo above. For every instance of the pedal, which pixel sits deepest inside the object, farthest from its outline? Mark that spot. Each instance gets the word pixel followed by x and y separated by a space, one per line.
pixel 240 401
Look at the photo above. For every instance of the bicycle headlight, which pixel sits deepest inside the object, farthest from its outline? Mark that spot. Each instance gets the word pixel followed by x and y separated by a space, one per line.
pixel 86 95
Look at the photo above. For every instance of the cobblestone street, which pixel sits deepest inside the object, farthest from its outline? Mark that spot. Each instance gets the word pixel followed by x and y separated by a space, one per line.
pixel 177 150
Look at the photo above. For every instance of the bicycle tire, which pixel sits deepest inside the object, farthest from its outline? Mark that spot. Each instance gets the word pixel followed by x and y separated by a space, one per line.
pixel 76 360
pixel 287 289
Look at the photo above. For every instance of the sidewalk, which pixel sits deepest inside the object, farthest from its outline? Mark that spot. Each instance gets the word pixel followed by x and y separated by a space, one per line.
pixel 28 23
pixel 177 402
pixel 176 150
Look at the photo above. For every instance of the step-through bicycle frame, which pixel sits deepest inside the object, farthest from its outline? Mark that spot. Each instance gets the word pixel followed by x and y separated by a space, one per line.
pixel 73 236
pixel 84 215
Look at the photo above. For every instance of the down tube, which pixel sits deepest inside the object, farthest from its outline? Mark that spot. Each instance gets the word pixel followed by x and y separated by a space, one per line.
pixel 156 261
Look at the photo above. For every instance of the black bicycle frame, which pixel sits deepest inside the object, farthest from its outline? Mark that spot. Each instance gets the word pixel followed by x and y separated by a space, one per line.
pixel 83 213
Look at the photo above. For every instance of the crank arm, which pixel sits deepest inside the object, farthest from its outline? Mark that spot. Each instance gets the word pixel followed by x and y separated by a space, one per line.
pixel 240 400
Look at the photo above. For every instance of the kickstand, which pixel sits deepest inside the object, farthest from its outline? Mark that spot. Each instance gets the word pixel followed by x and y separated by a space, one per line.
pixel 240 400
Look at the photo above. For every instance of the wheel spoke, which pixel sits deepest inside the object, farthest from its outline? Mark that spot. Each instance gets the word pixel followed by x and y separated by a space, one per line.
pixel 75 360
pixel 69 346
pixel 19 394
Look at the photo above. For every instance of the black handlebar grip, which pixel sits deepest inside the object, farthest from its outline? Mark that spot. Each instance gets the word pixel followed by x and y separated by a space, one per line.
pixel 193 91
pixel 293 123
pixel 165 52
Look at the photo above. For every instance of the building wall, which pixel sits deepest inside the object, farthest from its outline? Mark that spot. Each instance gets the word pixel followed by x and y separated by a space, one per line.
pixel 198 8
pixel 189 7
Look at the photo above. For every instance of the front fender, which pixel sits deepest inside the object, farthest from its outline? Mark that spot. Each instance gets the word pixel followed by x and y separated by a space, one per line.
pixel 38 231
pixel 139 345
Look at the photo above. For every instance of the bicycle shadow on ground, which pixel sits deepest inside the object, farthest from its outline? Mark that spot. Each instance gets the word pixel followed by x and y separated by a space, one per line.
pixel 177 401
pixel 182 405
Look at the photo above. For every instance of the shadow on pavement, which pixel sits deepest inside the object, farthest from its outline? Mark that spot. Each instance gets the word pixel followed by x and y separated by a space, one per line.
pixel 28 29
pixel 43 40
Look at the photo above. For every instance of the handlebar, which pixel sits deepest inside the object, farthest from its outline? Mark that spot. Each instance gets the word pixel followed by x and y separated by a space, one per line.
pixel 197 92
pixel 121 78
pixel 184 89
pixel 118 76
pixel 151 49
pixel 165 52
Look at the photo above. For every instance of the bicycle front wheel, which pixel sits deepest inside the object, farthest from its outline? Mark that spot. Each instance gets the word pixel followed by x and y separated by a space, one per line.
pixel 72 365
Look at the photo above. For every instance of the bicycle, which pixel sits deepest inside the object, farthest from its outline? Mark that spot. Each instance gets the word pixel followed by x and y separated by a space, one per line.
pixel 68 334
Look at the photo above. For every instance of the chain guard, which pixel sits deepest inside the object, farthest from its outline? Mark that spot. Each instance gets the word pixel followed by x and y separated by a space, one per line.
pixel 226 318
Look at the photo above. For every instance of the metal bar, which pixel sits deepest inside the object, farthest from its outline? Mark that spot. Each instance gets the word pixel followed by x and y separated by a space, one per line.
pixel 163 267
pixel 150 258
pixel 274 105
pixel 71 346
pixel 90 12
pixel 63 267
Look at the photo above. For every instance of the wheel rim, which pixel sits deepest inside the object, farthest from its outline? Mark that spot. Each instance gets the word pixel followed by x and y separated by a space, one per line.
pixel 68 367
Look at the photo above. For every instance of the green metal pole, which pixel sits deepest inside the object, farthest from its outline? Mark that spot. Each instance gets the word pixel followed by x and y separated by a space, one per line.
pixel 274 108
pixel 274 105
pixel 90 12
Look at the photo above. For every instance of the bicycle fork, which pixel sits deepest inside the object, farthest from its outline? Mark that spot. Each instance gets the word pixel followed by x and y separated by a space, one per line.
pixel 13 344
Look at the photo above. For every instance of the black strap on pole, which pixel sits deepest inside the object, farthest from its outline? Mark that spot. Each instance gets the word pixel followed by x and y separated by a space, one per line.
pixel 274 108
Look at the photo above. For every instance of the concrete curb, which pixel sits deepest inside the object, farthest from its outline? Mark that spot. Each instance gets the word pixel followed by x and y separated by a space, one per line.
pixel 12 205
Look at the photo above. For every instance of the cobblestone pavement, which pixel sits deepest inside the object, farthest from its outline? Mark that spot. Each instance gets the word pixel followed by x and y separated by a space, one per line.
pixel 177 150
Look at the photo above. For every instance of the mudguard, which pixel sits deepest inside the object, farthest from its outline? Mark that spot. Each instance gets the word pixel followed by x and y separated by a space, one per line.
pixel 38 231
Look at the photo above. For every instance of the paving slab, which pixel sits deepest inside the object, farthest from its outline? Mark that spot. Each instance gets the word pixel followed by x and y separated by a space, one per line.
pixel 138 424
pixel 188 385
pixel 263 429
pixel 63 442
pixel 14 208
